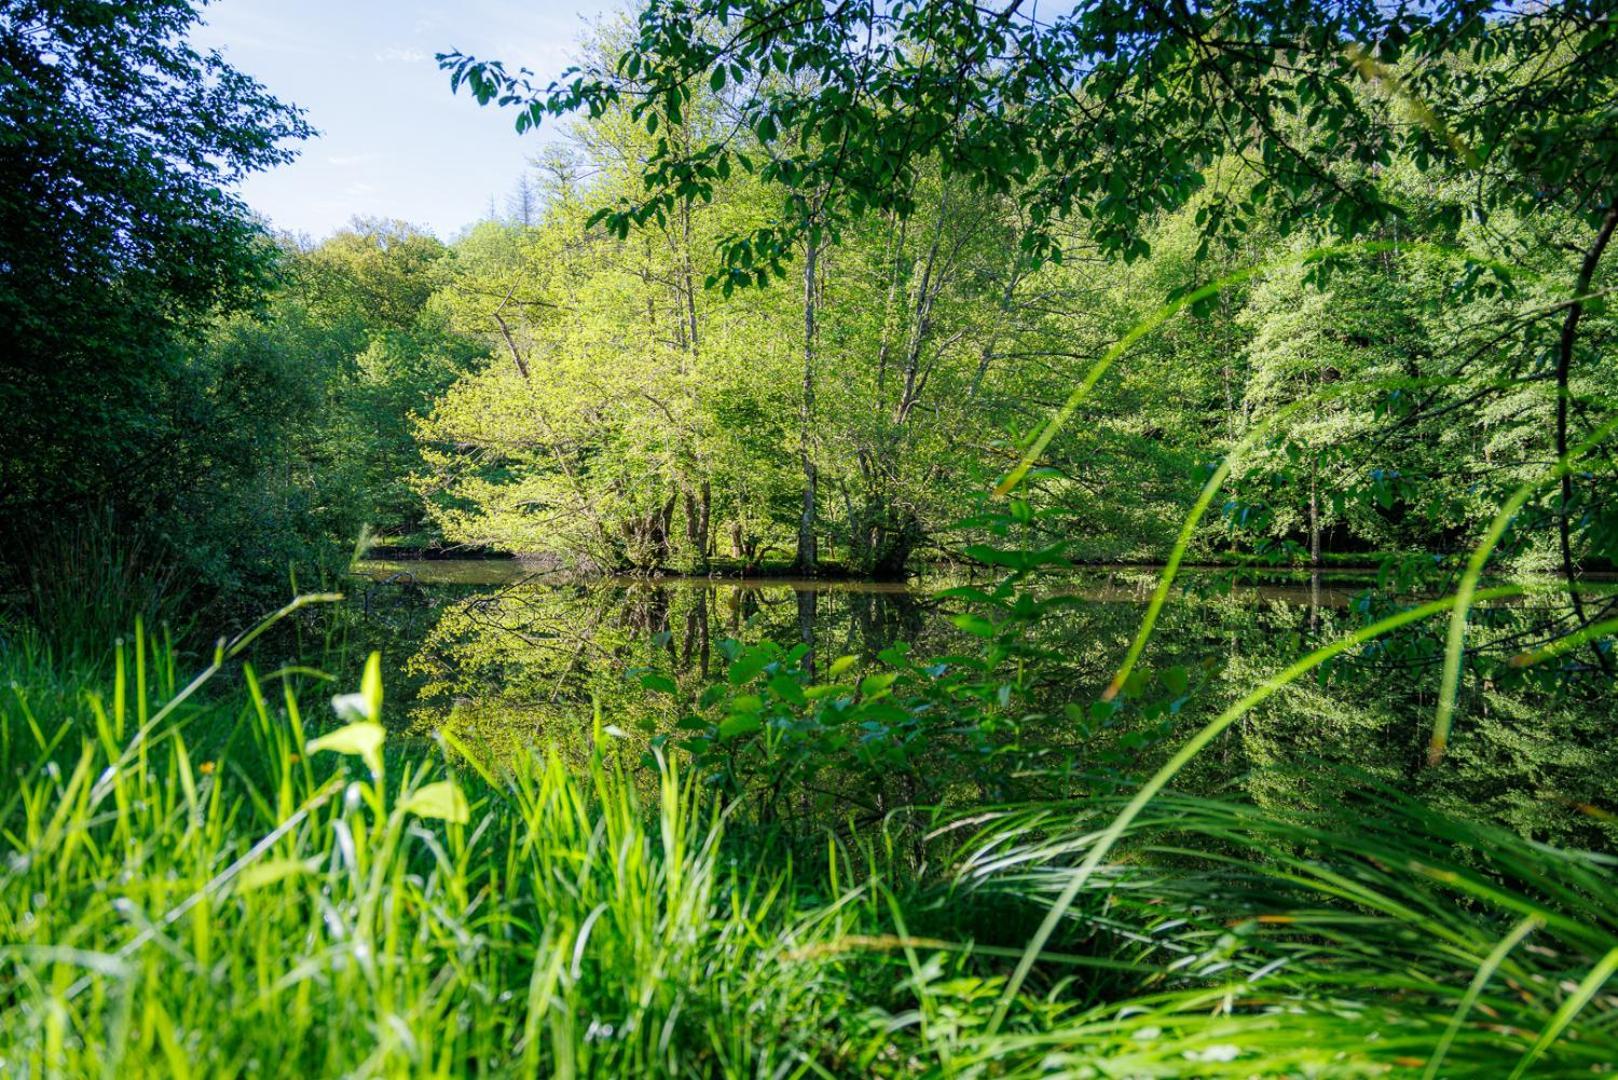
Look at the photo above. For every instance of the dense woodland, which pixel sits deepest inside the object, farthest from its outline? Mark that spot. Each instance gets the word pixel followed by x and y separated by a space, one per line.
pixel 978 296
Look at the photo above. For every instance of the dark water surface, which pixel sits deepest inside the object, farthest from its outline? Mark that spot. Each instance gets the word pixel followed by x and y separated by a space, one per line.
pixel 475 602
pixel 504 655
pixel 487 629
pixel 492 637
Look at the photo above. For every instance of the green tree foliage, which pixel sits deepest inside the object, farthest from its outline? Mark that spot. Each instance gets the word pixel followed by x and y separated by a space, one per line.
pixel 1214 139
pixel 1111 111
pixel 314 395
pixel 118 236
pixel 636 418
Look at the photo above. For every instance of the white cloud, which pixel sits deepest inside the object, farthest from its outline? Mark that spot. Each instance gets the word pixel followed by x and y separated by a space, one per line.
pixel 395 55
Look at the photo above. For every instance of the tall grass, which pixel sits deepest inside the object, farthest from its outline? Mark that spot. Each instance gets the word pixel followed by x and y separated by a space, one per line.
pixel 211 879
pixel 207 897
pixel 1377 938
pixel 88 582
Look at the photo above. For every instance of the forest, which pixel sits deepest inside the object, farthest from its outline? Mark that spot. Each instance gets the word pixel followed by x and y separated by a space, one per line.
pixel 922 538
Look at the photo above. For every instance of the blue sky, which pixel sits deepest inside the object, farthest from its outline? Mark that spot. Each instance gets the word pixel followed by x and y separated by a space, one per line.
pixel 393 142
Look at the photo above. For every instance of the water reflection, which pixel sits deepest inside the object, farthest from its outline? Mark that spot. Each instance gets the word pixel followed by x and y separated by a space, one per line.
pixel 493 645
pixel 511 659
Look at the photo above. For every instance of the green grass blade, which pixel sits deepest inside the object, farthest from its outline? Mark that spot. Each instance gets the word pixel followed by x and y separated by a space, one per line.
pixel 1570 1008
pixel 1192 747
pixel 1485 972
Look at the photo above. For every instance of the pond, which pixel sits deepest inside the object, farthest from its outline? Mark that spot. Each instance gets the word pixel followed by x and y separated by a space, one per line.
pixel 498 655
pixel 495 598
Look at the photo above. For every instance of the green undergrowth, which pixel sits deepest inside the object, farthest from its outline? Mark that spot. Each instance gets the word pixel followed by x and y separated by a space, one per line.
pixel 230 875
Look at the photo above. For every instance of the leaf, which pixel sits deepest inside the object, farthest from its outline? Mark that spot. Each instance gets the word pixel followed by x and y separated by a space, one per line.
pixel 873 686
pixel 352 707
pixel 1176 679
pixel 1134 684
pixel 362 739
pixel 371 686
pixel 995 557
pixel 966 592
pixel 745 669
pixel 787 689
pixel 441 800
pixel 268 873
pixel 659 682
pixel 840 665
pixel 740 724
pixel 976 625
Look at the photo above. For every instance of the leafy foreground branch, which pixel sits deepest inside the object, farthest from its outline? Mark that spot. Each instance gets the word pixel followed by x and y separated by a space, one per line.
pixel 219 889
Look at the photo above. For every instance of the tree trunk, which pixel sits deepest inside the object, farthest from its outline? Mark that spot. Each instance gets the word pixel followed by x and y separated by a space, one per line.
pixel 1314 546
pixel 697 511
pixel 1564 369
pixel 808 558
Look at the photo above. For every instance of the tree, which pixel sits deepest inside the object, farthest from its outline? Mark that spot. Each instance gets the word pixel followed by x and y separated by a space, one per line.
pixel 1103 120
pixel 1111 112
pixel 522 206
pixel 119 237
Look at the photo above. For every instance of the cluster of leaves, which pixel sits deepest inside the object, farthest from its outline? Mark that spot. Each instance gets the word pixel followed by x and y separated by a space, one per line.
pixel 1112 111
pixel 987 719
pixel 118 237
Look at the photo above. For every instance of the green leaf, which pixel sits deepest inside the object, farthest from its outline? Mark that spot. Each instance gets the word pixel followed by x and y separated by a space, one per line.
pixel 1134 684
pixel 840 665
pixel 362 739
pixel 441 800
pixel 661 683
pixel 367 704
pixel 268 873
pixel 787 689
pixel 873 686
pixel 371 686
pixel 740 724
pixel 995 557
pixel 976 625
pixel 747 667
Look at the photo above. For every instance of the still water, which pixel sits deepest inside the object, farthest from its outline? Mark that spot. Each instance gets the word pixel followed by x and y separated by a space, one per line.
pixel 490 631
pixel 507 657
pixel 687 614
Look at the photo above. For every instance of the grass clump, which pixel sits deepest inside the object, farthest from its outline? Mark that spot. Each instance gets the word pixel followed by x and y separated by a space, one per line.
pixel 207 880
pixel 214 898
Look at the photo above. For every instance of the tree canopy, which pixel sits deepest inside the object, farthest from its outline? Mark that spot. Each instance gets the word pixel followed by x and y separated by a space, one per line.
pixel 119 233
pixel 1111 111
